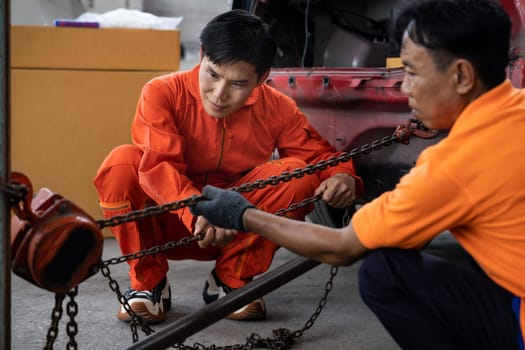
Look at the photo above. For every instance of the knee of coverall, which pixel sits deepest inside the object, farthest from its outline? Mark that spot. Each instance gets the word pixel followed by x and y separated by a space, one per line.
pixel 118 174
pixel 306 183
pixel 286 193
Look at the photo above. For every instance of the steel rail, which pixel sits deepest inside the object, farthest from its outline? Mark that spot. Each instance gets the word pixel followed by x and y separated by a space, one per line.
pixel 178 331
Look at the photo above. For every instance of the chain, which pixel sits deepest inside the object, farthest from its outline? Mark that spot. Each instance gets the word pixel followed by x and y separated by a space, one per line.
pixel 294 206
pixel 15 192
pixel 153 250
pixel 56 315
pixel 283 338
pixel 349 212
pixel 72 311
pixel 327 289
pixel 149 211
pixel 114 286
pixel 258 184
pixel 135 319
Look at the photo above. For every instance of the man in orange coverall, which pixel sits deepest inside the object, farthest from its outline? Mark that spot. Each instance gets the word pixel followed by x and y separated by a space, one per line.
pixel 216 124
pixel 471 183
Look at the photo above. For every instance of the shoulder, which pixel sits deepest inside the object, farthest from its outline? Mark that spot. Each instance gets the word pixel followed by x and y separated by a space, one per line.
pixel 176 84
pixel 168 80
pixel 269 98
pixel 271 92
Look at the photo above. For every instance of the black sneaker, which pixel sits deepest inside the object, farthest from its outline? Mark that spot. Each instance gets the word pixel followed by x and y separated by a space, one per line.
pixel 150 305
pixel 215 289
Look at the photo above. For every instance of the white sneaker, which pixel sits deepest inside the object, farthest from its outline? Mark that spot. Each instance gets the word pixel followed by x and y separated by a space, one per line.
pixel 215 289
pixel 150 305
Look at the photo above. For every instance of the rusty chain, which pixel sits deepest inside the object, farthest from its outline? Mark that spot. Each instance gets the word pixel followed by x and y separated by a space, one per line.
pixel 282 338
pixel 56 315
pixel 328 288
pixel 251 186
pixel 135 319
pixel 72 311
pixel 114 286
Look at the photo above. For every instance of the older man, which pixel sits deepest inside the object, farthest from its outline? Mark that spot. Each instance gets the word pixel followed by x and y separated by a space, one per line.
pixel 455 53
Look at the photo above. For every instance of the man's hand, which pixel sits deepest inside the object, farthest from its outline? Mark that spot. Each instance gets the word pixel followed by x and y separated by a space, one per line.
pixel 222 208
pixel 338 191
pixel 212 234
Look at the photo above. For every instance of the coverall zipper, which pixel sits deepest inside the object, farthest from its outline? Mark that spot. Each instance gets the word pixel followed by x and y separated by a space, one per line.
pixel 241 261
pixel 221 149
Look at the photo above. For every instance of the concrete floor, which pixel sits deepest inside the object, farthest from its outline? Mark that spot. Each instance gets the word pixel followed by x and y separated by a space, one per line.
pixel 345 323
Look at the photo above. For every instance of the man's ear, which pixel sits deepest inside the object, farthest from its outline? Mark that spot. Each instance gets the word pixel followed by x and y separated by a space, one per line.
pixel 263 77
pixel 464 76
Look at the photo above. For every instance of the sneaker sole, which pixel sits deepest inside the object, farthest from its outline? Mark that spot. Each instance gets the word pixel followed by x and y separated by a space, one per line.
pixel 255 310
pixel 142 311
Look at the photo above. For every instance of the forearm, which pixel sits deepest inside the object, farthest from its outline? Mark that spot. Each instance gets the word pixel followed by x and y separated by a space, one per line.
pixel 321 243
pixel 229 209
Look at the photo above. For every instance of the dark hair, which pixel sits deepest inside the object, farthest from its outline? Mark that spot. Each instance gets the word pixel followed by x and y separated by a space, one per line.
pixel 476 30
pixel 236 36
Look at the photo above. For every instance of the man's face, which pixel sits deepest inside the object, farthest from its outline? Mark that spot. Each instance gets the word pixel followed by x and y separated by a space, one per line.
pixel 225 88
pixel 432 92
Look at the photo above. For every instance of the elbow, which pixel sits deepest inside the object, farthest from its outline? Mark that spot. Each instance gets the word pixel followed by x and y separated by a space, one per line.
pixel 342 257
pixel 348 250
pixel 346 261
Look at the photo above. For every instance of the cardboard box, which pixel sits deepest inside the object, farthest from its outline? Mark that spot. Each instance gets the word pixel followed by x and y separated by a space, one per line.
pixel 71 101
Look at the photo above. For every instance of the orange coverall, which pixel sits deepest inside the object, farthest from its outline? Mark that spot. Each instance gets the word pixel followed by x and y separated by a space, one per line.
pixel 178 148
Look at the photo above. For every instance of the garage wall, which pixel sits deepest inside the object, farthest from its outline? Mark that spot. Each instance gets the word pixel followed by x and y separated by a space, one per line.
pixel 196 13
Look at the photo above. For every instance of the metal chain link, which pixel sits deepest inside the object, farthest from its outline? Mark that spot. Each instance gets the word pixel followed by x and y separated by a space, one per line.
pixel 153 250
pixel 258 184
pixel 327 289
pixel 135 319
pixel 15 193
pixel 114 286
pixel 149 211
pixel 56 315
pixel 72 311
pixel 283 338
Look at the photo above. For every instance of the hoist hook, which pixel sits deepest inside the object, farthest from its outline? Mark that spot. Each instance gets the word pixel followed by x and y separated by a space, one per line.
pixel 414 127
pixel 21 201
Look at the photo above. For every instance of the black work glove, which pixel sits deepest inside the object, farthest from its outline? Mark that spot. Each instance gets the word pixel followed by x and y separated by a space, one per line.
pixel 223 208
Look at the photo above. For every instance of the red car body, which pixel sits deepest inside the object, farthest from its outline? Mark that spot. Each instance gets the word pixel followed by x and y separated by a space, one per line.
pixel 354 105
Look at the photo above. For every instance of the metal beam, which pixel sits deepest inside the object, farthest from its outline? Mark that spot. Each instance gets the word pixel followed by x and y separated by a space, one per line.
pixel 178 331
pixel 5 275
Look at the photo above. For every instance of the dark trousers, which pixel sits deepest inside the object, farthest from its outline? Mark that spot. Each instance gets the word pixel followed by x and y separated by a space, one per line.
pixel 427 302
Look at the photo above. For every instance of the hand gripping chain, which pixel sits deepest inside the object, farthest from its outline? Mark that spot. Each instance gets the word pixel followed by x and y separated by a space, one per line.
pixel 50 218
